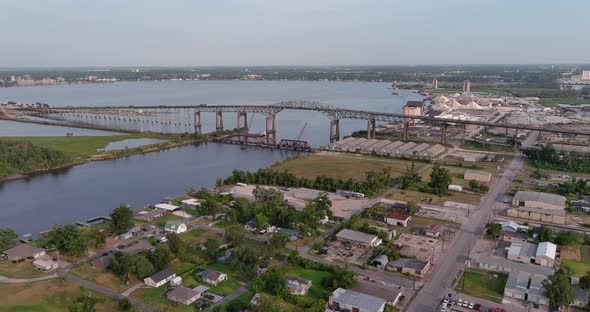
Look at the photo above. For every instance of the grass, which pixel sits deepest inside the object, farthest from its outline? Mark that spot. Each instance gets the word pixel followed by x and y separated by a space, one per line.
pixel 103 278
pixel 167 217
pixel 564 100
pixel 78 146
pixel 157 298
pixel 23 269
pixel 474 145
pixel 46 296
pixel 342 167
pixel 482 284
pixel 579 268
pixel 316 291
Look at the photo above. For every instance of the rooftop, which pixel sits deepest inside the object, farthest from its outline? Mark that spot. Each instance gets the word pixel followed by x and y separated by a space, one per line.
pixel 184 293
pixel 414 104
pixel 546 249
pixel 162 275
pixel 363 301
pixel 540 197
pixel 356 236
pixel 22 251
pixel 166 207
pixel 514 266
pixel 210 274
pixel 409 263
pixel 396 216
pixel 523 249
pixel 297 280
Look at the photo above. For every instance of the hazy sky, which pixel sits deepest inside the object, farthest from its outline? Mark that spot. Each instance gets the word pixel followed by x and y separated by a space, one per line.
pixel 292 32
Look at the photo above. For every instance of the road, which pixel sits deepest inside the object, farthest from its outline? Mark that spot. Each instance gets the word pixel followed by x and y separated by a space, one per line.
pixel 457 253
pixel 9 280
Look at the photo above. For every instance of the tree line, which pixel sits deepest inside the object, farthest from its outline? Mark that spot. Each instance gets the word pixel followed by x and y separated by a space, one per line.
pixel 21 156
pixel 546 157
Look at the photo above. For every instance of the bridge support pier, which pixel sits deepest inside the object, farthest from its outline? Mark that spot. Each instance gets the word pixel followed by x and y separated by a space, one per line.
pixel 197 122
pixel 334 130
pixel 406 131
pixel 371 129
pixel 515 136
pixel 443 133
pixel 271 131
pixel 242 115
pixel 219 121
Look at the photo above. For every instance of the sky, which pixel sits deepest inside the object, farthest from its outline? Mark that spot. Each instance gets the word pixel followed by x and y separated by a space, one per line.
pixel 69 33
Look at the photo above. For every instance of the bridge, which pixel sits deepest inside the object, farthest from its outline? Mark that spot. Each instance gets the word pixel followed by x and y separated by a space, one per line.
pixel 187 118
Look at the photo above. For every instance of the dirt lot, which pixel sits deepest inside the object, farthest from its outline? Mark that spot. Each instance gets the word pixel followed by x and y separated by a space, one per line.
pixel 570 252
pixel 348 253
pixel 421 247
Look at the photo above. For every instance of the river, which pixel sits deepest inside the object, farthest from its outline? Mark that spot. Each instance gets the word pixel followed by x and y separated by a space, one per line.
pixel 93 189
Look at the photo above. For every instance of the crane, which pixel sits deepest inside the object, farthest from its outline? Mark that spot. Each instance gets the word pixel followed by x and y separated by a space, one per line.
pixel 301 133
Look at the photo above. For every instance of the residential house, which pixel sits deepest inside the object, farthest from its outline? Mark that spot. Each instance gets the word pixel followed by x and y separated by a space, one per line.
pixel 434 230
pixel 212 277
pixel 23 251
pixel 581 298
pixel 409 266
pixel 190 203
pixel 160 278
pixel 184 295
pixel 167 207
pixel 396 218
pixel 175 227
pixel 356 237
pixel 46 265
pixel 149 215
pixel 513 227
pixel 350 300
pixel 298 286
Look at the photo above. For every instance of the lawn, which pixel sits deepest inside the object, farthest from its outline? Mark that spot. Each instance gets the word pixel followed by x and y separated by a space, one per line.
pixel 157 297
pixel 316 291
pixel 564 100
pixel 194 236
pixel 578 268
pixel 23 269
pixel 429 198
pixel 46 296
pixel 104 278
pixel 342 167
pixel 78 146
pixel 482 284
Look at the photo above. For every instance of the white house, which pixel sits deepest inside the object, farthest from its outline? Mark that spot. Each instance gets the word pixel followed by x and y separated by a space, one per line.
pixel 190 203
pixel 167 207
pixel 160 278
pixel 396 219
pixel 175 227
pixel 545 255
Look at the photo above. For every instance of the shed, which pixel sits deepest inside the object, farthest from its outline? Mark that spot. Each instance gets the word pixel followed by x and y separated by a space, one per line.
pixel 479 176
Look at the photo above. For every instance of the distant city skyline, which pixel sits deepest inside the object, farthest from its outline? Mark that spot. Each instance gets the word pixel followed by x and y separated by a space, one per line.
pixel 110 33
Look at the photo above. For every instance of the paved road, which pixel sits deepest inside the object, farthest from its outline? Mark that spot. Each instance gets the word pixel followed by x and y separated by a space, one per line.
pixel 229 298
pixel 9 280
pixel 457 253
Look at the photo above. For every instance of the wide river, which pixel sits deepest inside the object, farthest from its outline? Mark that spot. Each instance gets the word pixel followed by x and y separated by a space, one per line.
pixel 93 189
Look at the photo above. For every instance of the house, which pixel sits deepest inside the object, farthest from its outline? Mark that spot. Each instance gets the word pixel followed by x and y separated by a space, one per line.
pixel 350 300
pixel 581 298
pixel 523 252
pixel 526 286
pixel 167 207
pixel 190 203
pixel 356 237
pixel 434 230
pixel 538 200
pixel 23 251
pixel 409 266
pixel 160 278
pixel 581 205
pixel 46 265
pixel 396 218
pixel 175 227
pixel 381 261
pixel 545 255
pixel 414 108
pixel 212 277
pixel 297 286
pixel 513 227
pixel 184 295
pixel 479 176
pixel 250 226
pixel 145 215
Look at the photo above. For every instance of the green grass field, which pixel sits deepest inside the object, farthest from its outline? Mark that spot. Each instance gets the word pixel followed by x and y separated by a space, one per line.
pixel 579 268
pixel 564 100
pixel 316 291
pixel 482 284
pixel 157 298
pixel 24 269
pixel 342 167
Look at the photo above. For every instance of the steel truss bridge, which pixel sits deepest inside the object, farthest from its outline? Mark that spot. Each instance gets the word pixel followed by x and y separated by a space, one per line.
pixel 187 118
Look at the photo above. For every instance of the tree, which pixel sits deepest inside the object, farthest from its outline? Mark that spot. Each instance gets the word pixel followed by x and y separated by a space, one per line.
pixel 474 185
pixel 245 261
pixel 125 305
pixel 235 234
pixel 278 241
pixel 176 245
pixel 411 178
pixel 212 251
pixel 141 266
pixel 558 289
pixel 545 234
pixel 267 305
pixel 585 281
pixel 275 282
pixel 494 229
pixel 261 221
pixel 440 179
pixel 160 258
pixel 83 304
pixel 412 207
pixel 68 240
pixel 7 238
pixel 122 219
pixel 121 265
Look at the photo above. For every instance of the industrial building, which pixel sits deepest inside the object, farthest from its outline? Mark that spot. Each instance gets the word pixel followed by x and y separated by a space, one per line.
pixel 539 207
pixel 479 176
pixel 350 300
pixel 434 151
pixel 417 149
pixel 526 286
pixel 525 252
pixel 356 237
pixel 389 148
pixel 386 150
pixel 414 108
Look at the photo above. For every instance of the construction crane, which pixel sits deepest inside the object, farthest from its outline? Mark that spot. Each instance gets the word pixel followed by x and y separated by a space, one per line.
pixel 301 133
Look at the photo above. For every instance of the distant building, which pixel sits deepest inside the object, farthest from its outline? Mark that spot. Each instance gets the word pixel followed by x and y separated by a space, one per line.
pixel 356 237
pixel 586 75
pixel 414 108
pixel 396 218
pixel 479 176
pixel 434 84
pixel 467 86
pixel 539 207
pixel 409 266
pixel 167 207
pixel 23 251
pixel 298 286
pixel 350 300
pixel 160 278
pixel 190 203
pixel 434 230
pixel 150 215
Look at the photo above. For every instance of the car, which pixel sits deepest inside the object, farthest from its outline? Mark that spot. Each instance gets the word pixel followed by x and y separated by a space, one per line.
pixel 443 309
pixel 460 302
pixel 465 304
pixel 477 307
pixel 446 301
pixel 471 305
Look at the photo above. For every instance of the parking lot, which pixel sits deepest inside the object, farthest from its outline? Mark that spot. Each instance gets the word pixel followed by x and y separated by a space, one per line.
pixel 486 306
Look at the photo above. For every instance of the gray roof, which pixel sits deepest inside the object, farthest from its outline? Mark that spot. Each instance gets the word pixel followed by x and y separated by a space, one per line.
pixel 356 236
pixel 434 149
pixel 477 172
pixel 162 275
pixel 297 280
pixel 358 299
pixel 523 249
pixel 540 197
pixel 139 247
pixel 514 266
pixel 22 251
pixel 183 293
pixel 518 280
pixel 408 263
pixel 210 274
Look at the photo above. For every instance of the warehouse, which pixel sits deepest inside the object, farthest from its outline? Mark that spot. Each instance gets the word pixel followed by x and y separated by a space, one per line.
pixel 378 146
pixel 536 214
pixel 357 237
pixel 386 150
pixel 479 176
pixel 353 146
pixel 416 149
pixel 539 200
pixel 402 148
pixel 434 151
pixel 342 142
pixel 366 146
pixel 349 144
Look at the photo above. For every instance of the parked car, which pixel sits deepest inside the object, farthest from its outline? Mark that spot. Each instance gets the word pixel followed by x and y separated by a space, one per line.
pixel 477 307
pixel 471 305
pixel 465 304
